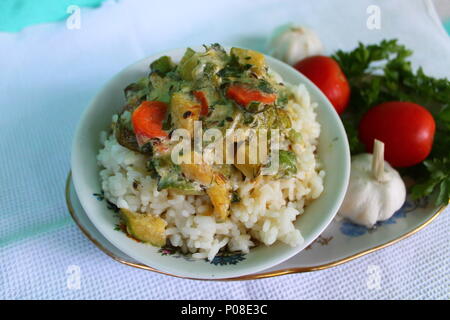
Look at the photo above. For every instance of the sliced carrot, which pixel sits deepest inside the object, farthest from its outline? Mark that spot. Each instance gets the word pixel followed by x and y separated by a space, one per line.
pixel 200 95
pixel 147 121
pixel 243 95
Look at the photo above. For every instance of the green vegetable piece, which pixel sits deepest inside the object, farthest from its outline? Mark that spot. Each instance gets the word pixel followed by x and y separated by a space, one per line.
pixel 187 64
pixel 220 112
pixel 145 227
pixel 294 136
pixel 169 176
pixel 187 55
pixel 137 92
pixel 287 164
pixel 160 88
pixel 282 95
pixel 276 118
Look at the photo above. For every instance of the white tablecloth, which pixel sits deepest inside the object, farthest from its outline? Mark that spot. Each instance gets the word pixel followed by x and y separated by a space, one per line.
pixel 48 74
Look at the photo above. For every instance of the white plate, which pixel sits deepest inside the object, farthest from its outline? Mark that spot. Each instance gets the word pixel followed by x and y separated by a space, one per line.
pixel 333 152
pixel 339 243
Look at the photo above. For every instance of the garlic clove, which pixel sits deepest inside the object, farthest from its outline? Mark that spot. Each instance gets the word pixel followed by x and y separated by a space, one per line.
pixel 291 43
pixel 369 200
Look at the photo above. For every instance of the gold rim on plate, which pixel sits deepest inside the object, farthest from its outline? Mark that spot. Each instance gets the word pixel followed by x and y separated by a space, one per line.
pixel 254 276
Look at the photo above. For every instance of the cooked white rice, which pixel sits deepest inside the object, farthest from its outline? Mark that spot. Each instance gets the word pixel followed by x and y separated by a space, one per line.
pixel 267 208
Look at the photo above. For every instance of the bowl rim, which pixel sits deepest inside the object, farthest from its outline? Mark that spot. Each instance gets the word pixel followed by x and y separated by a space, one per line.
pixel 77 153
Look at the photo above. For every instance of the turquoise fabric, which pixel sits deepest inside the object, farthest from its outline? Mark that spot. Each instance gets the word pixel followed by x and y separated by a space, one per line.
pixel 50 73
pixel 17 14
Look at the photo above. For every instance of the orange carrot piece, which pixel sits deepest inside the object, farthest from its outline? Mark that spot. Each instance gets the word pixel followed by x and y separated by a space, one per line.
pixel 243 95
pixel 147 121
pixel 200 95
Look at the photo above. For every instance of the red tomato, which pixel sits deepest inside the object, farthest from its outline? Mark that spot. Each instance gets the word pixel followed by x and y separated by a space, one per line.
pixel 325 73
pixel 406 129
pixel 147 121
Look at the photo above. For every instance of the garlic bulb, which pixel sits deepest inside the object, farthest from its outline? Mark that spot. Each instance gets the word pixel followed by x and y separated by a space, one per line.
pixel 292 43
pixel 376 190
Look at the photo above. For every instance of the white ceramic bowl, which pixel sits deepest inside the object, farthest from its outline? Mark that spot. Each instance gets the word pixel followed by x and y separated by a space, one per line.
pixel 333 152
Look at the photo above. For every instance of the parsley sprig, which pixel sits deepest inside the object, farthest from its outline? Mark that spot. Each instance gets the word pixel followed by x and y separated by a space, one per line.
pixel 381 72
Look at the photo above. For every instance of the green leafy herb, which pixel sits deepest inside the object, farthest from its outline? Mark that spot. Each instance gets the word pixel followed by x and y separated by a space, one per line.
pixel 382 72
pixel 439 170
pixel 275 118
pixel 265 86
